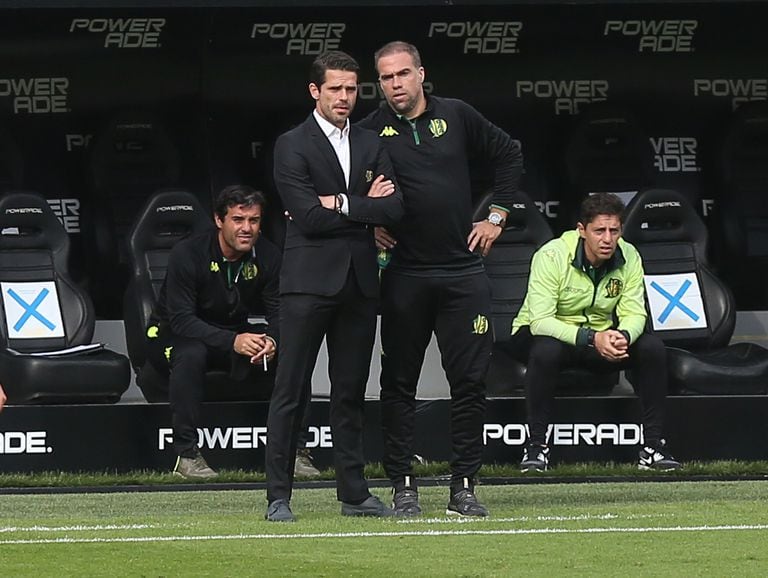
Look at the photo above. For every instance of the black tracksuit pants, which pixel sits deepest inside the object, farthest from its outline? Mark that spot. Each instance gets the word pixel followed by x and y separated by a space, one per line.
pixel 546 357
pixel 457 310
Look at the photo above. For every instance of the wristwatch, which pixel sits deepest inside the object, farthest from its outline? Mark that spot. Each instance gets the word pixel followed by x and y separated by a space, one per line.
pixel 495 218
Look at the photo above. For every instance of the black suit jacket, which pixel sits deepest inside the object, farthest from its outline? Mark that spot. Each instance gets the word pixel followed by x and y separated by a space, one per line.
pixel 321 244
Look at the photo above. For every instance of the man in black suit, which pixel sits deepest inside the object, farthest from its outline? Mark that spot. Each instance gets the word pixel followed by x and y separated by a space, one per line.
pixel 336 182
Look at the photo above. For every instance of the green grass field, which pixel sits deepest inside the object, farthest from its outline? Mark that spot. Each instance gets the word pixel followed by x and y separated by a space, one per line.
pixel 609 529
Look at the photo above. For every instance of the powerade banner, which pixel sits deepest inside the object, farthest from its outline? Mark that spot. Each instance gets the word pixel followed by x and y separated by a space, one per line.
pixel 216 86
pixel 234 435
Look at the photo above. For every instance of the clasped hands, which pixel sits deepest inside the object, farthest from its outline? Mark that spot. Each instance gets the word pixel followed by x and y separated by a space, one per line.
pixel 612 345
pixel 254 345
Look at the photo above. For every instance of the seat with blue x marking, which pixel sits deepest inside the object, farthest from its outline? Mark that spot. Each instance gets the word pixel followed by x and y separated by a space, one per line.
pixel 689 308
pixel 44 311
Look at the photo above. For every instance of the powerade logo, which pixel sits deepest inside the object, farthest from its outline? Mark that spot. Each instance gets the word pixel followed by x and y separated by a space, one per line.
pixel 656 35
pixel 242 438
pixel 311 38
pixel 36 95
pixel 24 442
pixel 480 37
pixel 68 212
pixel 174 208
pixel 675 154
pixel 372 90
pixel 567 434
pixel 739 90
pixel 567 95
pixel 122 32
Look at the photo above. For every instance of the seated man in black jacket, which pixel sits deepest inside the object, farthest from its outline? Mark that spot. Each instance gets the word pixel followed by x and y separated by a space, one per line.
pixel 214 281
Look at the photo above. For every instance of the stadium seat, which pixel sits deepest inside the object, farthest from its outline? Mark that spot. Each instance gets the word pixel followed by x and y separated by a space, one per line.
pixel 167 217
pixel 131 158
pixel 672 240
pixel 44 312
pixel 508 266
pixel 11 163
pixel 606 151
pixel 741 212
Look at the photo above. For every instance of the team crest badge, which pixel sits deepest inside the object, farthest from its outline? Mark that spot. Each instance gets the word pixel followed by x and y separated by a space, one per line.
pixel 480 325
pixel 613 287
pixel 438 127
pixel 368 176
pixel 250 270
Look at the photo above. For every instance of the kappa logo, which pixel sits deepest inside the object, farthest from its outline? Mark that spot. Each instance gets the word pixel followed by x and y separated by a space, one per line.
pixel 250 270
pixel 480 325
pixel 215 267
pixel 167 353
pixel 438 127
pixel 368 176
pixel 613 287
pixel 388 130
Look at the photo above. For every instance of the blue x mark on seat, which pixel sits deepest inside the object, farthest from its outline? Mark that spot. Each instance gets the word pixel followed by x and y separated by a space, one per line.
pixel 674 301
pixel 30 309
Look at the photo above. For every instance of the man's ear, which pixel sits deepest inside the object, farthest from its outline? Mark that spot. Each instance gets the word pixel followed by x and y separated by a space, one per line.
pixel 582 230
pixel 314 91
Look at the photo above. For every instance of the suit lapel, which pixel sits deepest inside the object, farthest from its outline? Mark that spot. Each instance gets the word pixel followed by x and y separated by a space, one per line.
pixel 355 162
pixel 326 150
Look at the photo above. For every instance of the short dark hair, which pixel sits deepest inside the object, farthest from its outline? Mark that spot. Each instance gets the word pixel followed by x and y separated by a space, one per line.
pixel 235 195
pixel 601 204
pixel 331 60
pixel 393 48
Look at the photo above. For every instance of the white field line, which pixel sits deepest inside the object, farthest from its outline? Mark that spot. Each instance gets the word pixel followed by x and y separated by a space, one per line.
pixel 424 533
pixel 475 520
pixel 6 529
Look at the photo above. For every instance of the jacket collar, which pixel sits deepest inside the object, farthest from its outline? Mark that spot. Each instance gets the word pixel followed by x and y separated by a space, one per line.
pixel 580 259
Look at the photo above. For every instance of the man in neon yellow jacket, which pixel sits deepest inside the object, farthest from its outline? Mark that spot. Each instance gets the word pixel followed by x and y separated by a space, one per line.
pixel 585 308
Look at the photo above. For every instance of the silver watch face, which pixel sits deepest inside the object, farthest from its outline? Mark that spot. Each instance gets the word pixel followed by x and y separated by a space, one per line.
pixel 495 219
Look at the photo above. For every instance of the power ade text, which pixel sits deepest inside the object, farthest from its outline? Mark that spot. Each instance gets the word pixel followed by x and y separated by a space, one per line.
pixel 23 442
pixel 123 32
pixel 42 95
pixel 303 37
pixel 739 90
pixel 481 37
pixel 568 434
pixel 675 154
pixel 243 438
pixel 656 35
pixel 567 94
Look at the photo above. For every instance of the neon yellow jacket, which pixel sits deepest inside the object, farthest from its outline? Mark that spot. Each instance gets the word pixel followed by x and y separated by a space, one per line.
pixel 563 302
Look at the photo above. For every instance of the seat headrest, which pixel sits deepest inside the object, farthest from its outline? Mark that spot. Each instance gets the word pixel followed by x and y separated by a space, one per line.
pixel 525 223
pixel 28 222
pixel 664 216
pixel 168 216
pixel 745 148
pixel 134 149
pixel 607 151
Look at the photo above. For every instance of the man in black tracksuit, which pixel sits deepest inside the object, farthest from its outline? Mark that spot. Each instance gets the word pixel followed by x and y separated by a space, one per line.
pixel 435 280
pixel 200 322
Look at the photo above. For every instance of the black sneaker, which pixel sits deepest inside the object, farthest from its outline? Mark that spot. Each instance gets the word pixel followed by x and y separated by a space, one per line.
pixel 279 511
pixel 657 458
pixel 405 501
pixel 535 458
pixel 464 503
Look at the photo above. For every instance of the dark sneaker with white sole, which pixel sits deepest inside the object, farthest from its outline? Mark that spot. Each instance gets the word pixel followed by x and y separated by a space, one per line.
pixel 464 502
pixel 535 458
pixel 657 458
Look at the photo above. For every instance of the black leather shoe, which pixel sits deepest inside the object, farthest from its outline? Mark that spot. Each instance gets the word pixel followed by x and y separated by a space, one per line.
pixel 279 511
pixel 372 506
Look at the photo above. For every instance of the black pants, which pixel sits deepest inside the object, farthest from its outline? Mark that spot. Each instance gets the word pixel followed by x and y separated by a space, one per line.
pixel 547 356
pixel 185 367
pixel 457 310
pixel 348 323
